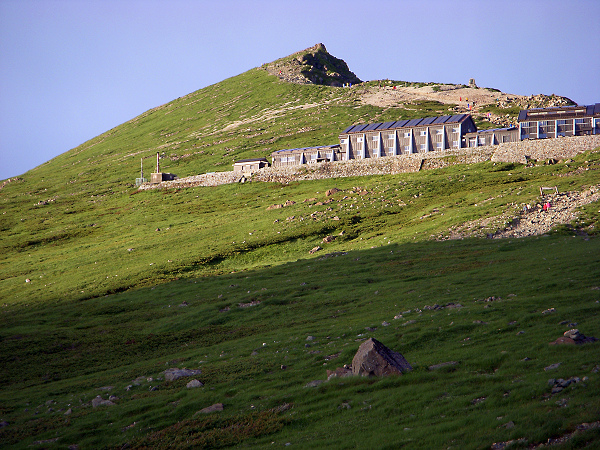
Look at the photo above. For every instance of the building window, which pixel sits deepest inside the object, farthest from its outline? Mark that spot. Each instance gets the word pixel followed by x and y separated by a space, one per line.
pixel 439 145
pixel 359 139
pixel 407 134
pixel 439 132
pixel 375 138
pixel 481 141
pixel 407 148
pixel 391 136
pixel 455 144
pixel 423 146
pixel 344 141
pixel 423 133
pixel 456 130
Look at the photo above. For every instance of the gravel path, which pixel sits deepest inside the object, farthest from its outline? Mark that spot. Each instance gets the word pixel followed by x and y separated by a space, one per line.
pixel 531 221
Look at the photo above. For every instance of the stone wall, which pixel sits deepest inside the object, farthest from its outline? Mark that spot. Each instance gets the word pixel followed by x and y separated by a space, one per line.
pixel 516 152
pixel 544 149
pixel 207 179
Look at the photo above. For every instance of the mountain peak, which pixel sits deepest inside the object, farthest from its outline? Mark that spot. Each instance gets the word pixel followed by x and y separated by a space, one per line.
pixel 314 65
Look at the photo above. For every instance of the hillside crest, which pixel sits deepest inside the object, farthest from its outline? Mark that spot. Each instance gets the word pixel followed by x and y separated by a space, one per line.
pixel 314 65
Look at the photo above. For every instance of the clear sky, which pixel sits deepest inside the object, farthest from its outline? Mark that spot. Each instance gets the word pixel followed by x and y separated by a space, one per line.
pixel 72 69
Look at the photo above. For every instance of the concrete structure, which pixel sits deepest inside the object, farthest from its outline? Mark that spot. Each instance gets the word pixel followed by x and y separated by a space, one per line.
pixel 430 134
pixel 162 176
pixel 491 137
pixel 249 166
pixel 307 155
pixel 404 137
pixel 545 123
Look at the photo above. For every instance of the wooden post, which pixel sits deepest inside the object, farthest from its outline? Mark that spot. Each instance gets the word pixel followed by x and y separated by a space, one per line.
pixel 157 163
pixel 142 167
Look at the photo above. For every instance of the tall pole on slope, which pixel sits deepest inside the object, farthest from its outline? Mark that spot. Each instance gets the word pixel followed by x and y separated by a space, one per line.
pixel 142 167
pixel 157 163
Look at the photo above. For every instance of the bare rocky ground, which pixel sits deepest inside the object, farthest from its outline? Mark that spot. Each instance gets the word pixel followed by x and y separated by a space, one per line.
pixel 532 220
pixel 460 95
pixel 467 99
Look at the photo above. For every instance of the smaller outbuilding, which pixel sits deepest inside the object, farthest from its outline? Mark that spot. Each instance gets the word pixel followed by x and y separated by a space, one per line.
pixel 491 137
pixel 249 166
pixel 307 155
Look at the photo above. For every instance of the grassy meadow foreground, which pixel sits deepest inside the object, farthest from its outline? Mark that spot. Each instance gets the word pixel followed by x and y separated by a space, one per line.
pixel 245 295
pixel 104 287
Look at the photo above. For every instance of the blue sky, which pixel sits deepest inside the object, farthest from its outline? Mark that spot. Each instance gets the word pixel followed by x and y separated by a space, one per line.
pixel 72 69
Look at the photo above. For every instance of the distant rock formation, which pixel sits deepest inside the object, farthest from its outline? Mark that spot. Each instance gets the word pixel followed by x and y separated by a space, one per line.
pixel 313 65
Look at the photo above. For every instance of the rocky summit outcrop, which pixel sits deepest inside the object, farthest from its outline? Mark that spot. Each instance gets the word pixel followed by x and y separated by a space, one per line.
pixel 375 359
pixel 313 65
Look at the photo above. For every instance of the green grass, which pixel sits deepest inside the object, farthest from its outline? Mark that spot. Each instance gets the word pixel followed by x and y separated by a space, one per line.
pixel 125 284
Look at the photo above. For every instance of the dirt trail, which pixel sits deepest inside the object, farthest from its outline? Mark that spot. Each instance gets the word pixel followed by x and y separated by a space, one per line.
pixel 533 220
pixel 448 94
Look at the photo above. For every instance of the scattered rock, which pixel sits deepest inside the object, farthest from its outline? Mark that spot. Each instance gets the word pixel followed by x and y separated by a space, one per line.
pixel 331 191
pixel 174 373
pixel 310 338
pixel 573 337
pixel 68 412
pixel 314 383
pixel 375 359
pixel 476 401
pixel 212 408
pixel 340 372
pixel 444 364
pixel 557 385
pixel 328 239
pixel 552 367
pixel 194 384
pixel 549 311
pixel 247 305
pixel 315 250
pixel 99 401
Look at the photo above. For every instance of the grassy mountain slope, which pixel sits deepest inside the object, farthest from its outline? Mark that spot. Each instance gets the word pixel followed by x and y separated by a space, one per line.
pixel 123 284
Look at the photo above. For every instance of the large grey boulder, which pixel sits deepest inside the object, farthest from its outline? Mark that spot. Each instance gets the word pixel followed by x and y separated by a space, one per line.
pixel 375 359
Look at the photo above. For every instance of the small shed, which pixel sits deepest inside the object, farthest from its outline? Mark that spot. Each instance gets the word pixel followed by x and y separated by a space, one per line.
pixel 249 166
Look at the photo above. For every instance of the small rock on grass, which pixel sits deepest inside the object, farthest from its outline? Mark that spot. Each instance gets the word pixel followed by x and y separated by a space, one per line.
pixel 194 384
pixel 212 408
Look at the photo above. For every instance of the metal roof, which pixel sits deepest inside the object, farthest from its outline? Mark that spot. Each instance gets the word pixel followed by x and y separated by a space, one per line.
pixel 372 126
pixel 413 122
pixel 324 147
pixel 457 118
pixel 251 160
pixel 386 125
pixel 441 119
pixel 559 112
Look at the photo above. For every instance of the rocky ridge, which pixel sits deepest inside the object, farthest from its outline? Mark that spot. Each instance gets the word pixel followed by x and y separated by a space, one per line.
pixel 313 65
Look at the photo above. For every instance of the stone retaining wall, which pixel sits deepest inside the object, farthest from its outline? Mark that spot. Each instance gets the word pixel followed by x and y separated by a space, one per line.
pixel 516 152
